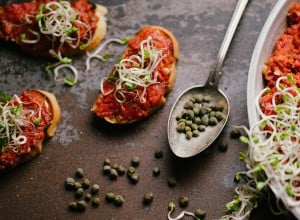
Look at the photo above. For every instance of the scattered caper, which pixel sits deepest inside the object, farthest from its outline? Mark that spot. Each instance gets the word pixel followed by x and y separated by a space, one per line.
pixel 135 161
pixel 148 197
pixel 79 173
pixel 201 128
pixel 183 201
pixel 171 181
pixel 79 193
pixel 73 206
pixel 95 189
pixel 86 183
pixel 156 171
pixel 113 174
pixel 95 202
pixel 88 197
pixel 81 205
pixel 118 200
pixel 107 161
pixel 115 166
pixel 222 146
pixel 77 185
pixel 121 170
pixel 134 178
pixel 158 153
pixel 235 133
pixel 130 171
pixel 200 213
pixel 106 169
pixel 69 183
pixel 110 197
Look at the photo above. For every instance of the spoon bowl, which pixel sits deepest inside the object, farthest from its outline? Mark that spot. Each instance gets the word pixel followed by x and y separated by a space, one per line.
pixel 180 145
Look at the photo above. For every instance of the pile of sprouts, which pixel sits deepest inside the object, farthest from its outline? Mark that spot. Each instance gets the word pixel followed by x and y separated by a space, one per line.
pixel 273 154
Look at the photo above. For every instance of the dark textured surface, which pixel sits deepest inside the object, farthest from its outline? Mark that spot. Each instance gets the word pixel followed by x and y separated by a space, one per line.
pixel 35 190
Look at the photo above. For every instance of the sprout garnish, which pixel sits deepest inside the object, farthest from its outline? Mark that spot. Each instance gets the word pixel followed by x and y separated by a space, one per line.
pixel 273 151
pixel 12 118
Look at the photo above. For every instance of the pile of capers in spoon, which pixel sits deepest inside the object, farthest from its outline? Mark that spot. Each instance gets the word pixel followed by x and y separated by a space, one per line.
pixel 198 113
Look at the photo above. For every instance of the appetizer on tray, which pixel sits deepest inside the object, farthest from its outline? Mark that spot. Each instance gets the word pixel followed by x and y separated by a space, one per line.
pixel 138 83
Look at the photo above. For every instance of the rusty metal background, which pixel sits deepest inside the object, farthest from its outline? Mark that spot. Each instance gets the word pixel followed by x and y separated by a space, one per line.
pixel 35 190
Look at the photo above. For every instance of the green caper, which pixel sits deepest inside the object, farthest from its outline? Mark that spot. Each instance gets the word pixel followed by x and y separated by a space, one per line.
pixel 121 170
pixel 171 181
pixel 95 202
pixel 220 116
pixel 213 121
pixel 199 213
pixel 235 133
pixel 204 120
pixel 106 169
pixel 196 133
pixel 183 201
pixel 180 127
pixel 134 178
pixel 148 198
pixel 189 114
pixel 187 128
pixel 79 173
pixel 70 183
pixel 95 189
pixel 113 174
pixel 197 120
pixel 130 171
pixel 86 183
pixel 156 171
pixel 107 161
pixel 88 197
pixel 77 185
pixel 178 117
pixel 73 206
pixel 206 98
pixel 109 197
pixel 118 200
pixel 115 166
pixel 196 110
pixel 181 120
pixel 189 105
pixel 201 128
pixel 212 114
pixel 189 135
pixel 198 98
pixel 222 146
pixel 79 193
pixel 188 122
pixel 218 107
pixel 81 205
pixel 135 161
pixel 194 126
pixel 158 153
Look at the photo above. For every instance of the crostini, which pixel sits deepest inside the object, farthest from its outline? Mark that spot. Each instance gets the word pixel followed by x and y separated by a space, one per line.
pixel 53 28
pixel 25 121
pixel 137 85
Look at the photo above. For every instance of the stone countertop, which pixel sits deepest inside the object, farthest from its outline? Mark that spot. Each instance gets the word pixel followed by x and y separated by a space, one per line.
pixel 35 190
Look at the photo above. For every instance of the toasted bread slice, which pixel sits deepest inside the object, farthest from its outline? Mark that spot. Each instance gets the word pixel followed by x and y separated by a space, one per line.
pixel 27 34
pixel 116 112
pixel 36 132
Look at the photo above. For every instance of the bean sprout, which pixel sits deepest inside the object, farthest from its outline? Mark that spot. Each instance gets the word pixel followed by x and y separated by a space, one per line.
pixel 138 70
pixel 13 119
pixel 273 153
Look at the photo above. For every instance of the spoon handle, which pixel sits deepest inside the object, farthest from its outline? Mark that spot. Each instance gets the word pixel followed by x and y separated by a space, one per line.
pixel 215 73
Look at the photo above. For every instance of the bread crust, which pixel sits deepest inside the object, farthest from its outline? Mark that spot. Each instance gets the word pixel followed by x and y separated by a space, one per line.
pixel 50 99
pixel 169 85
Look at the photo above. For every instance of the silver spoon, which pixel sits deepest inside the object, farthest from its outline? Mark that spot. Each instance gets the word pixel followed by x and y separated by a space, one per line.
pixel 181 146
